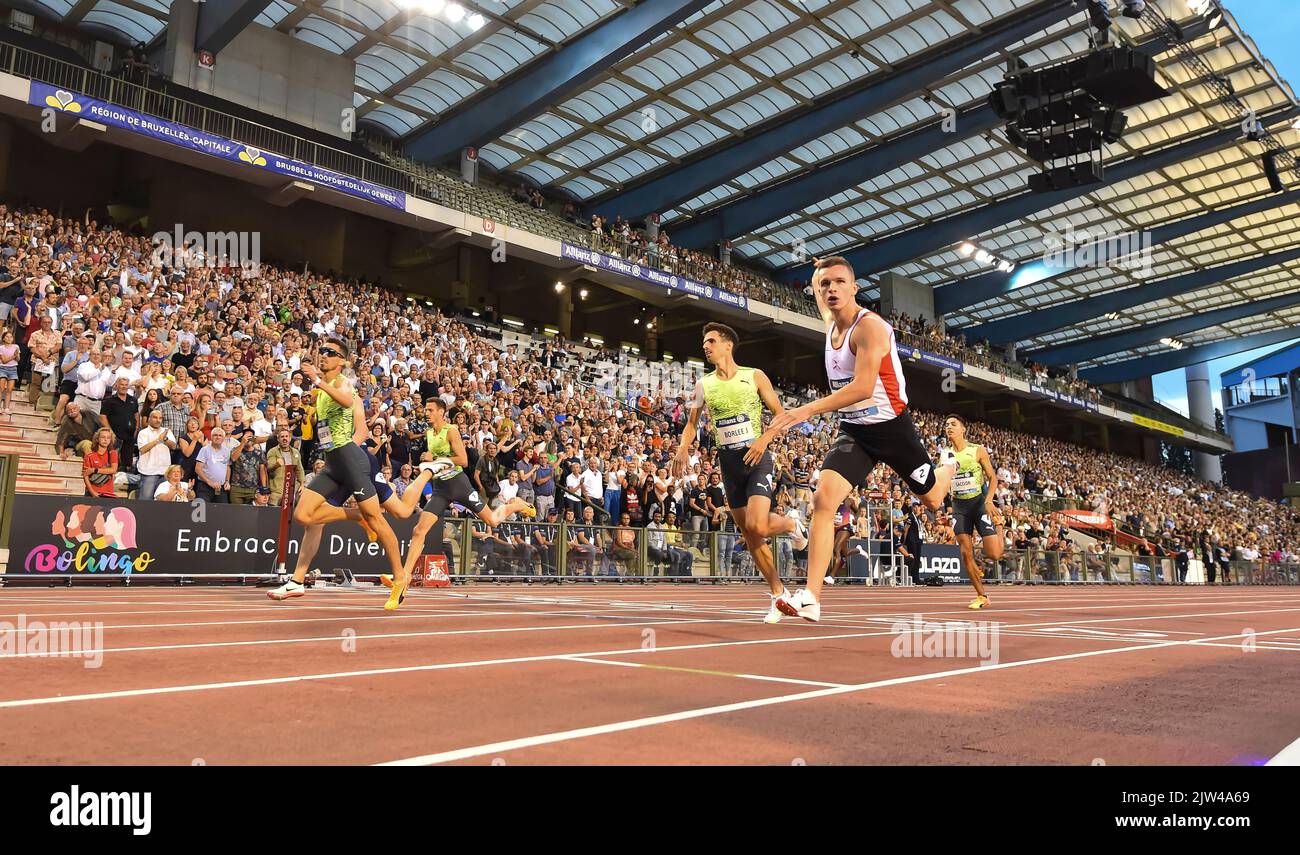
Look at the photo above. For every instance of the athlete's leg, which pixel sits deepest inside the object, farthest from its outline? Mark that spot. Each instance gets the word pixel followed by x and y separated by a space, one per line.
pixel 423 526
pixel 373 516
pixel 832 489
pixel 756 536
pixel 495 516
pixel 966 545
pixel 933 498
pixel 307 552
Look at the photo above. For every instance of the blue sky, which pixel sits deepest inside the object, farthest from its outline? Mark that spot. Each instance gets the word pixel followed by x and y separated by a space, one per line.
pixel 1275 27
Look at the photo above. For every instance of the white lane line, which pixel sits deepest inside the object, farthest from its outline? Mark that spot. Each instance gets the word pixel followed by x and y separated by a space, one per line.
pixel 1289 756
pixel 655 667
pixel 410 669
pixel 684 715
pixel 1047 629
pixel 337 638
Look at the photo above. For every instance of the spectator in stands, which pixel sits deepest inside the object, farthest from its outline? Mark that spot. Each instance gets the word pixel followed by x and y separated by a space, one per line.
pixel 247 467
pixel 118 412
pixel 212 468
pixel 100 465
pixel 76 432
pixel 283 456
pixel 174 488
pixel 9 356
pixel 155 444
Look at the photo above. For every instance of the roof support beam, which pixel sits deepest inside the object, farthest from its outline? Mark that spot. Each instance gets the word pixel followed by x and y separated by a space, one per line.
pixel 1047 318
pixel 221 20
pixel 550 80
pixel 1096 348
pixel 681 182
pixel 894 250
pixel 744 215
pixel 1149 366
pixel 968 292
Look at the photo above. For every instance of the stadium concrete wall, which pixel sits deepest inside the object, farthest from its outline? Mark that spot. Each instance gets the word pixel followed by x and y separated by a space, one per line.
pixel 266 70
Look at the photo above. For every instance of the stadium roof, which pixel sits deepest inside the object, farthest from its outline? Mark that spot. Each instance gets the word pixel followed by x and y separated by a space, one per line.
pixel 781 124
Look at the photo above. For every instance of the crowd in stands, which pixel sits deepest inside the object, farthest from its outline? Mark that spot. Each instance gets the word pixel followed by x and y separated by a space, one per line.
pixel 919 332
pixel 175 382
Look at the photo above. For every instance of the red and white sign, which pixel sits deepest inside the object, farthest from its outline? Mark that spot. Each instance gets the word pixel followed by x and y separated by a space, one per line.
pixel 207 59
pixel 1086 519
pixel 471 153
pixel 431 572
pixel 489 226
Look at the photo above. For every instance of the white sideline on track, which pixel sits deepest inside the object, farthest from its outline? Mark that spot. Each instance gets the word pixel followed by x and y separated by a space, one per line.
pixel 497 748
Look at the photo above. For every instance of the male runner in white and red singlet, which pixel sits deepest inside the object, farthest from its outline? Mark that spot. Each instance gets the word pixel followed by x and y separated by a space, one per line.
pixel 870 394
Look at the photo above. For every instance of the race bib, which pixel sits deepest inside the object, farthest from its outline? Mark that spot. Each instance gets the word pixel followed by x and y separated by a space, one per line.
pixel 735 431
pixel 964 482
pixel 324 441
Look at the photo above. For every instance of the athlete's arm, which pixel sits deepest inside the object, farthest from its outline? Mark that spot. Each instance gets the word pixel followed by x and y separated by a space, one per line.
pixel 991 474
pixel 773 402
pixel 359 433
pixel 458 454
pixel 342 393
pixel 870 343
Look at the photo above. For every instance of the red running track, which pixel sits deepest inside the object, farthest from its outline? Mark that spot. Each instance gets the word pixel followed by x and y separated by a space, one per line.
pixel 657 675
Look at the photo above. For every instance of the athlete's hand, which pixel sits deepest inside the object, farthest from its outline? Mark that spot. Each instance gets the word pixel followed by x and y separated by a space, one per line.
pixel 994 513
pixel 756 451
pixel 309 371
pixel 679 461
pixel 790 418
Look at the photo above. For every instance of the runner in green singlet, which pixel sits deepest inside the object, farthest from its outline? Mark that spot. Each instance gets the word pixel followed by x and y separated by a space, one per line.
pixel 973 487
pixel 735 397
pixel 450 485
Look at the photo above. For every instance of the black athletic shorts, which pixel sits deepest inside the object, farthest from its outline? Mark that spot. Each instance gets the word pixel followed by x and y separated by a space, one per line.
pixel 68 387
pixel 739 481
pixel 458 490
pixel 346 471
pixel 970 516
pixel 341 493
pixel 858 449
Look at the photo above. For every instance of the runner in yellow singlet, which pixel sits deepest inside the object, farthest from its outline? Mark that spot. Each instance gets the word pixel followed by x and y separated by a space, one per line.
pixel 973 487
pixel 735 397
pixel 449 486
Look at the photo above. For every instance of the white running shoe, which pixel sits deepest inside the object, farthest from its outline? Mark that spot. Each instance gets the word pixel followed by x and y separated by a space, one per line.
pixel 287 590
pixel 773 613
pixel 829 580
pixel 802 604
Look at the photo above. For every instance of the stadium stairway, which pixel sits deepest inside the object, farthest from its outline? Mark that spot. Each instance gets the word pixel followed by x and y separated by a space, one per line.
pixel 27 433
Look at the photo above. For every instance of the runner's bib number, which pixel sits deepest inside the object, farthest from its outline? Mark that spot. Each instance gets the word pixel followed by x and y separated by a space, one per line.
pixel 964 482
pixel 735 431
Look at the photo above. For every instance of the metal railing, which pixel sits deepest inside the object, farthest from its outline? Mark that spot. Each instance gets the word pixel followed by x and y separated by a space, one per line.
pixel 124 93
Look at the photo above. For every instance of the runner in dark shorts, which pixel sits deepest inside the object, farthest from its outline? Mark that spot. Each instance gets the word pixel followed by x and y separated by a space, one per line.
pixel 869 392
pixel 446 459
pixel 346 466
pixel 973 486
pixel 735 397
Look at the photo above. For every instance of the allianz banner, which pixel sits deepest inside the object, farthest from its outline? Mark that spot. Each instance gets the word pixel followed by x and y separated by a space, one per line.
pixel 939 559
pixel 71 535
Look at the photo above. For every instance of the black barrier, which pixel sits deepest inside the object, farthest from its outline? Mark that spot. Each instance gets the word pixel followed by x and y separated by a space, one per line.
pixel 943 560
pixel 71 535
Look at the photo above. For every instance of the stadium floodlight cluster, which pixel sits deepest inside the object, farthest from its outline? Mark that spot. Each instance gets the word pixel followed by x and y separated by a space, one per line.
pixel 453 12
pixel 983 256
pixel 1174 343
pixel 1062 114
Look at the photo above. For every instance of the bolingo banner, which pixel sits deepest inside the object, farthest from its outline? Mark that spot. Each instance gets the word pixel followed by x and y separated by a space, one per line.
pixel 72 535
